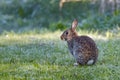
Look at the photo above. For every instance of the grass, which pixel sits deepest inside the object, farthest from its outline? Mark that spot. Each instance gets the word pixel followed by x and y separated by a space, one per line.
pixel 45 57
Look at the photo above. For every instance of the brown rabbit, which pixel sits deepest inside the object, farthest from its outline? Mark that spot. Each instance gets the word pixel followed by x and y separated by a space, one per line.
pixel 83 48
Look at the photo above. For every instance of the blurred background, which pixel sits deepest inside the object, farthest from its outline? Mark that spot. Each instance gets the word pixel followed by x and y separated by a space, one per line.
pixel 24 15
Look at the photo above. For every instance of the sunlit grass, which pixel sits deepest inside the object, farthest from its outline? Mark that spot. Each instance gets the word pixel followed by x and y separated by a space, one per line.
pixel 44 56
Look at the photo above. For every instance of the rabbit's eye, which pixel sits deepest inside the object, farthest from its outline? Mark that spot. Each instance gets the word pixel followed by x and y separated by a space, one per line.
pixel 66 33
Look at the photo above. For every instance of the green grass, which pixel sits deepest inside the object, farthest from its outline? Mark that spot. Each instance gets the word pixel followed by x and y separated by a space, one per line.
pixel 45 57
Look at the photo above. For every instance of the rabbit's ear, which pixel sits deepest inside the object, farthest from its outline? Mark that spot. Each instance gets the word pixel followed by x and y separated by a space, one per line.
pixel 74 24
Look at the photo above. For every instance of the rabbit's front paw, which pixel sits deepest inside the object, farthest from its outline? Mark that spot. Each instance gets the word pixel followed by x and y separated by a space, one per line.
pixel 76 64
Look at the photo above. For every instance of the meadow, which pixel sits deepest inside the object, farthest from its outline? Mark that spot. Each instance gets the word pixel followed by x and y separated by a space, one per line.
pixel 30 45
pixel 43 56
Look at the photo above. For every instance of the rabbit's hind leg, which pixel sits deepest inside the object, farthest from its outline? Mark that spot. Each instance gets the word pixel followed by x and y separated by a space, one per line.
pixel 80 60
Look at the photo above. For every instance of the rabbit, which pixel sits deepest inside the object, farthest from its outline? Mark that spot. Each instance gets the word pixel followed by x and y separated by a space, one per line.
pixel 83 48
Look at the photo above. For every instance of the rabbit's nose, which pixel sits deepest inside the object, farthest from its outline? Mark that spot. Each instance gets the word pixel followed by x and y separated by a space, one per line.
pixel 61 37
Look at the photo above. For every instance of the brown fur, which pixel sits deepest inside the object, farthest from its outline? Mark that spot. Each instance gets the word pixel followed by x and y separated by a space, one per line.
pixel 83 48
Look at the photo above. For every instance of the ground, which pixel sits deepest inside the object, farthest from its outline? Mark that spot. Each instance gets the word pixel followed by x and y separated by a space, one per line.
pixel 44 56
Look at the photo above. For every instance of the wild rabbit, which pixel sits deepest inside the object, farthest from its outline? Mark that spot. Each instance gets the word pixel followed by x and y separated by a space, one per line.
pixel 83 48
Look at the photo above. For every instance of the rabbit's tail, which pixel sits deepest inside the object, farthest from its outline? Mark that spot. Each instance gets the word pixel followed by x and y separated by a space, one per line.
pixel 90 62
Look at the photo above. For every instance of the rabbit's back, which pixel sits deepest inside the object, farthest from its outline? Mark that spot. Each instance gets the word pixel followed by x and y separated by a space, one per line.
pixel 86 43
pixel 84 49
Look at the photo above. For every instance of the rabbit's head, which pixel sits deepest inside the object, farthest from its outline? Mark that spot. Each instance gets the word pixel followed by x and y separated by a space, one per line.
pixel 71 32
